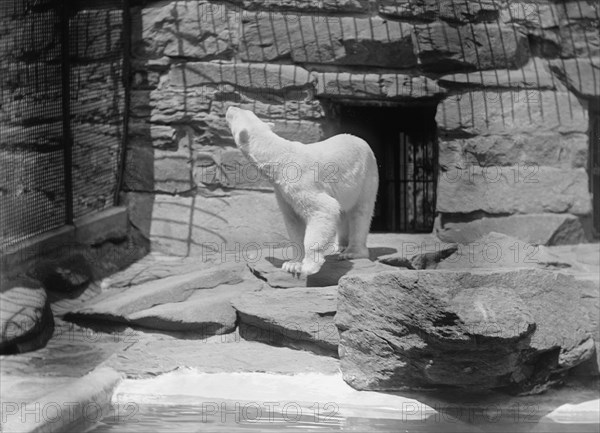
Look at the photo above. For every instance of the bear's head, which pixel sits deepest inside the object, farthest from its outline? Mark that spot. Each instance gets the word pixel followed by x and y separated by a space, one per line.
pixel 243 124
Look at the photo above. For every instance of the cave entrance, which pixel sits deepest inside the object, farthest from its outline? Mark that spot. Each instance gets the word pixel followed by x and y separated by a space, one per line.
pixel 404 140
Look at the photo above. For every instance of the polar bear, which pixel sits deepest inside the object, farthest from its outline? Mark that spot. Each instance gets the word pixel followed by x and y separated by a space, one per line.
pixel 322 188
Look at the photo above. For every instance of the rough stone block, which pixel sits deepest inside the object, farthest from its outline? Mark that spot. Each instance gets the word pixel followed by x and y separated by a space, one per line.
pixel 299 317
pixel 229 168
pixel 111 224
pixel 275 106
pixel 169 105
pixel 530 15
pixel 191 29
pixel 504 112
pixel 245 75
pixel 376 86
pixel 44 107
pixel 96 34
pixel 157 170
pixel 579 39
pixel 207 312
pixel 447 10
pixel 177 288
pixel 34 35
pixel 535 229
pixel 323 6
pixel 581 76
pixel 442 47
pixel 96 107
pixel 575 10
pixel 534 75
pixel 221 226
pixel 304 131
pixel 326 39
pixel 519 149
pixel 513 190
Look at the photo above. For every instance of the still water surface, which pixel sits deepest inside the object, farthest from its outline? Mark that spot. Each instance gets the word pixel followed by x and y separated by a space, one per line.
pixel 186 418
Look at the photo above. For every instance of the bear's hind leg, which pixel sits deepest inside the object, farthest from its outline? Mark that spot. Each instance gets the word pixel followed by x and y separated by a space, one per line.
pixel 359 222
pixel 342 233
pixel 322 218
pixel 296 228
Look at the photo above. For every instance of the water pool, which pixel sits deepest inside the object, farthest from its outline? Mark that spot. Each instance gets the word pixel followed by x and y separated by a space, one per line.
pixel 190 401
pixel 192 418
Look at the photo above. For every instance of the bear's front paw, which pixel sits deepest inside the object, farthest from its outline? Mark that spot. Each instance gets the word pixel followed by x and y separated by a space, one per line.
pixel 292 267
pixel 310 268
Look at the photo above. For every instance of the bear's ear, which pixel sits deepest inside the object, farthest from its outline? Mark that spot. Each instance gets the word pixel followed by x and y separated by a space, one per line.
pixel 243 136
pixel 270 125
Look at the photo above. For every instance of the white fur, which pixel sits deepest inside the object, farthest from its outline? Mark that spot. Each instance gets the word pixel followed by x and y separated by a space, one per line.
pixel 328 187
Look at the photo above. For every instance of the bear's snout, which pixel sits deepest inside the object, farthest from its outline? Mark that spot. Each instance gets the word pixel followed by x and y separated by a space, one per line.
pixel 231 111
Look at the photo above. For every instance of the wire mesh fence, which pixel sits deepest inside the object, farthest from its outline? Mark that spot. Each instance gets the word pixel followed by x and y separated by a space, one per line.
pixel 32 185
pixel 61 112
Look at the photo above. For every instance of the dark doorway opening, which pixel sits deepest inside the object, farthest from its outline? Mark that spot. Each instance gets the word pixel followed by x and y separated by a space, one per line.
pixel 404 140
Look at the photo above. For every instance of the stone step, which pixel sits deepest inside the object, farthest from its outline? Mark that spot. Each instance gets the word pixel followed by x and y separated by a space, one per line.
pixel 269 270
pixel 300 318
pixel 163 303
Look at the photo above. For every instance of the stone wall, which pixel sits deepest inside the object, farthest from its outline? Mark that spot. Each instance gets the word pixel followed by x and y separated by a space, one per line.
pixel 32 186
pixel 511 81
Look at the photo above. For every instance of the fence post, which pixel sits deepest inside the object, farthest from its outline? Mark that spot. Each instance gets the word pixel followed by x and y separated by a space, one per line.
pixel 65 9
pixel 126 80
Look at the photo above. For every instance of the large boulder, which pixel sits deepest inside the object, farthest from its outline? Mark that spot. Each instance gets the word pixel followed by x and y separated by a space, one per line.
pixel 516 330
pixel 26 320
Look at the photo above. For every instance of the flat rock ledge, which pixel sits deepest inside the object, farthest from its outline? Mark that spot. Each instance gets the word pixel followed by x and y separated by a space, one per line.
pixel 197 301
pixel 269 270
pixel 516 330
pixel 301 318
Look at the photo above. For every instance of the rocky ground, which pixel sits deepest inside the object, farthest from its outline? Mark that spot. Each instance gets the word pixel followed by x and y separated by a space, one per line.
pixel 503 326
